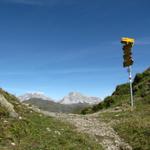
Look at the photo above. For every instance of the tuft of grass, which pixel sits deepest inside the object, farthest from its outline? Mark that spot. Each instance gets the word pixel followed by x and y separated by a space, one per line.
pixel 132 126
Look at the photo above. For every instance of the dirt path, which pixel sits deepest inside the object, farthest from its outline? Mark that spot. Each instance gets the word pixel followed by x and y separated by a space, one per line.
pixel 96 128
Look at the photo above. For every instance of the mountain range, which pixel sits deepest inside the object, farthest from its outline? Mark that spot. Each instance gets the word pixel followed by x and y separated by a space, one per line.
pixel 71 98
pixel 72 103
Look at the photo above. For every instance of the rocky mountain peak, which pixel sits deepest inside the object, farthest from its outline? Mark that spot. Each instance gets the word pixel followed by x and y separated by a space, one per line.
pixel 39 95
pixel 76 97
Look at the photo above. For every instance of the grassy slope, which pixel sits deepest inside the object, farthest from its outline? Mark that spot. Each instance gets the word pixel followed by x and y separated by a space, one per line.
pixel 133 126
pixel 37 132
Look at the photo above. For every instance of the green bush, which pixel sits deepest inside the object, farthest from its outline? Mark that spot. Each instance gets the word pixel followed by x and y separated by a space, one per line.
pixel 122 89
pixel 86 110
pixel 138 78
pixel 3 112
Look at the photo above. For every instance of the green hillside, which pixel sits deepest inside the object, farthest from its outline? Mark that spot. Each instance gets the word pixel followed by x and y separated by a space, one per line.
pixel 33 131
pixel 121 96
pixel 131 125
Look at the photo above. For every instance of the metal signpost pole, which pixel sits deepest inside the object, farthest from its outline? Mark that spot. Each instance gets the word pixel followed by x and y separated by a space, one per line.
pixel 130 81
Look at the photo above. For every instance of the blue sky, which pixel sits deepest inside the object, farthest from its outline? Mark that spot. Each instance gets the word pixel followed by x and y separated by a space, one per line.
pixel 58 46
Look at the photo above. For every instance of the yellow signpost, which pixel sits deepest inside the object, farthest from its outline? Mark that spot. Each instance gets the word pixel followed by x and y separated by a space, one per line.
pixel 126 40
pixel 128 61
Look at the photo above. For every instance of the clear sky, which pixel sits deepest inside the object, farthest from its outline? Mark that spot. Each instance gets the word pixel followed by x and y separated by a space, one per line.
pixel 58 46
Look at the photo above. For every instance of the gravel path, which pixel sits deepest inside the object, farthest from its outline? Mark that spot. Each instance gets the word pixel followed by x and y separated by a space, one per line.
pixel 99 130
